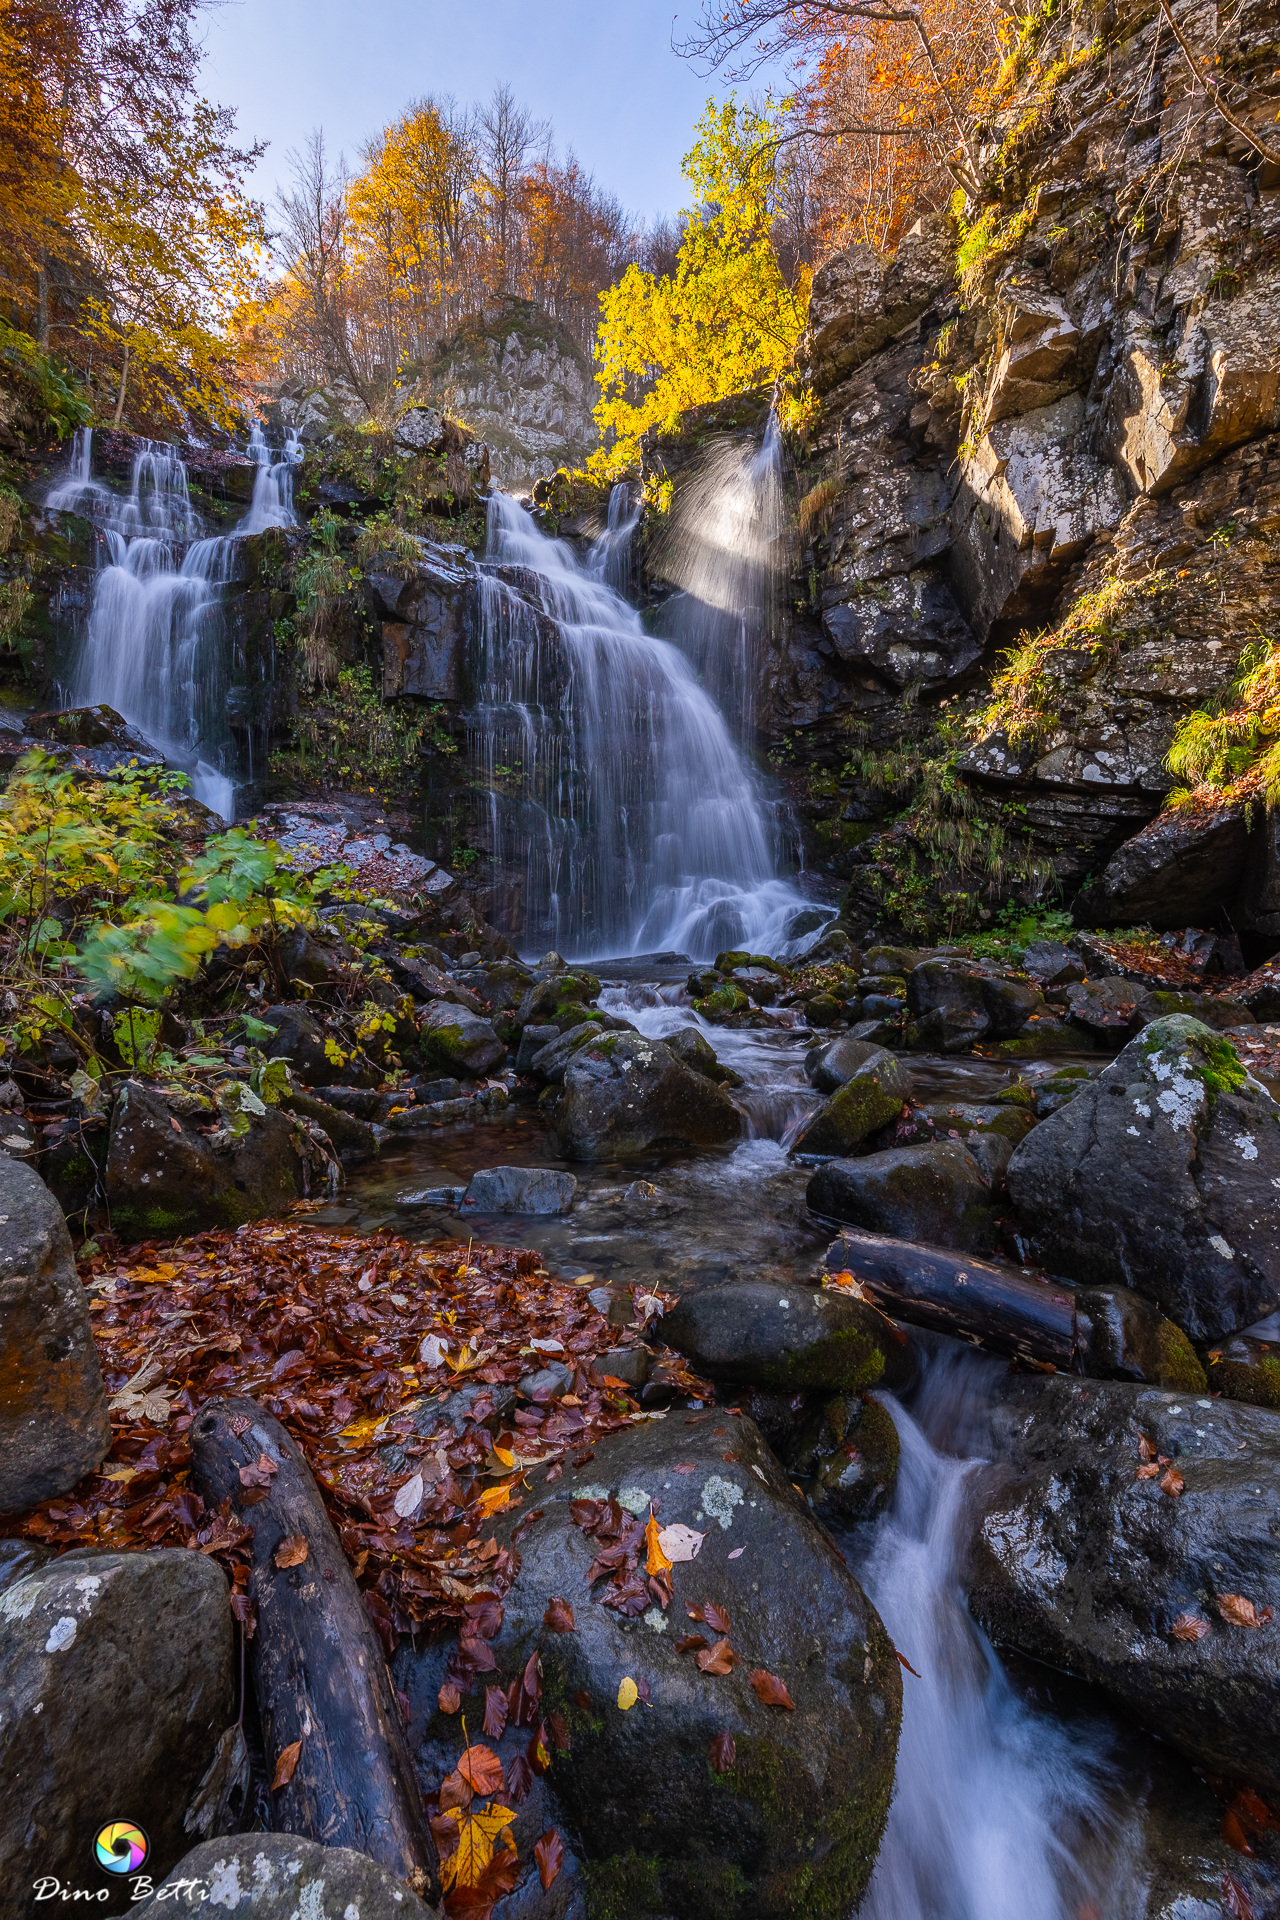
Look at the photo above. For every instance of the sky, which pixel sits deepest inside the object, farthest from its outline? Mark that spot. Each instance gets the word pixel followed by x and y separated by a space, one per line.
pixel 603 71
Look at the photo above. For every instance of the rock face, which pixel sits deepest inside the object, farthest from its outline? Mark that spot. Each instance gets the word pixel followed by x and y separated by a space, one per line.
pixel 872 1095
pixel 122 1659
pixel 1083 1565
pixel 794 1824
pixel 1179 871
pixel 277 1876
pixel 937 1193
pixel 955 1003
pixel 783 1336
pixel 519 1190
pixel 428 611
pixel 860 300
pixel 1159 1176
pixel 624 1094
pixel 53 1408
pixel 165 1176
pixel 522 382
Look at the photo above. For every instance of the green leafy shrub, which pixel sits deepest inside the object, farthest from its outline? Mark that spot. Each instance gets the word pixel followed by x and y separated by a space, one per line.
pixel 58 391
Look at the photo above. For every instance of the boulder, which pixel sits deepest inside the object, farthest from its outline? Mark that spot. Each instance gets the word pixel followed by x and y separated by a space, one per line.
pixel 559 999
pixel 166 1176
pixel 873 1094
pixel 532 1040
pixel 1245 1368
pixel 550 1060
pixel 832 1065
pixel 115 1661
pixel 1160 1175
pixel 298 1037
pixel 699 1056
pixel 955 1003
pixel 519 1190
pixel 317 957
pixel 428 610
pixel 937 1194
pixel 1177 872
pixel 1138 1576
pixel 844 1453
pixel 278 1876
pixel 101 739
pixel 773 1334
pixel 350 1138
pixel 420 430
pixel 793 1825
pixel 53 1408
pixel 455 1041
pixel 625 1094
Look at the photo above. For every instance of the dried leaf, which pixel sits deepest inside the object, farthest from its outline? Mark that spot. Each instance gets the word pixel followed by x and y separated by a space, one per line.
pixel 495 1711
pixel 680 1543
pixel 549 1854
pixel 628 1694
pixel 519 1779
pixel 1172 1482
pixel 657 1561
pixel 1146 1448
pixel 723 1752
pixel 285 1765
pixel 538 1753
pixel 1233 1833
pixel 1189 1626
pixel 903 1661
pixel 720 1658
pixel 1239 1612
pixel 481 1768
pixel 409 1497
pixel 292 1551
pixel 716 1617
pixel 690 1642
pixel 770 1690
pixel 477 1833
pixel 449 1697
pixel 454 1792
pixel 558 1617
pixel 1237 1901
pixel 1146 1473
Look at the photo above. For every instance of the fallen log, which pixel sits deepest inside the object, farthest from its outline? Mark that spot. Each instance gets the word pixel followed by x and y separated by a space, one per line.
pixel 1109 1332
pixel 319 1669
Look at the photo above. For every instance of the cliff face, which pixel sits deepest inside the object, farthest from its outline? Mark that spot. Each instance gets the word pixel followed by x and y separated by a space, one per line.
pixel 1052 425
pixel 522 385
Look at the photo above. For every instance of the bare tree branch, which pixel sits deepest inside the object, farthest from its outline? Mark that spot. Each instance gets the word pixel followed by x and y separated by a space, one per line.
pixel 1214 89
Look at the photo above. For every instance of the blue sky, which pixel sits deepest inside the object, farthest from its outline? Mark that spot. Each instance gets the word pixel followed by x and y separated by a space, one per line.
pixel 602 70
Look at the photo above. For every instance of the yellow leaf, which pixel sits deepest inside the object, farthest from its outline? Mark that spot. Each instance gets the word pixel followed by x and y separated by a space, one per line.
pixel 658 1561
pixel 123 1474
pixel 506 1456
pixel 628 1693
pixel 476 1835
pixel 495 1498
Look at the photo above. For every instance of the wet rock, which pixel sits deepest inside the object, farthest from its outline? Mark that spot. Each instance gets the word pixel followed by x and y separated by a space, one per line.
pixel 165 1176
pixel 279 1876
pixel 1158 1175
pixel 549 1062
pixel 560 999
pixel 845 1454
pixel 794 1825
pixel 955 1003
pixel 1177 872
pixel 1103 1012
pixel 520 1190
pixel 773 1334
pixel 454 1040
pixel 532 1041
pixel 53 1408
pixel 101 739
pixel 122 1659
pixel 352 1139
pixel 624 1094
pixel 298 1037
pixel 831 1066
pixel 631 1365
pixel 1245 1368
pixel 1051 964
pixel 937 1194
pixel 699 1056
pixel 873 1094
pixel 1081 1564
pixel 317 959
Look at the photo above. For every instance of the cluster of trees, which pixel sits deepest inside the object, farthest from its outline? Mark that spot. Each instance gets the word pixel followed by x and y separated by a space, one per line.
pixel 453 208
pixel 126 235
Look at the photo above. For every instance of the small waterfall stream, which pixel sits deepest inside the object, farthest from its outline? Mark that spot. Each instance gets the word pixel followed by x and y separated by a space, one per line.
pixel 156 646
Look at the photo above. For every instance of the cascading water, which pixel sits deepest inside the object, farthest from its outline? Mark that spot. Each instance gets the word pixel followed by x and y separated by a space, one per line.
pixel 616 789
pixel 156 646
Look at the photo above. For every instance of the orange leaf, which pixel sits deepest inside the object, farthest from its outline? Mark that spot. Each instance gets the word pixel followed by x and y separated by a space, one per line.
pixel 770 1690
pixel 723 1752
pixel 1239 1612
pixel 657 1561
pixel 1189 1626
pixel 481 1768
pixel 559 1617
pixel 285 1765
pixel 292 1551
pixel 903 1661
pixel 1233 1833
pixel 718 1659
pixel 450 1698
pixel 1171 1482
pixel 549 1854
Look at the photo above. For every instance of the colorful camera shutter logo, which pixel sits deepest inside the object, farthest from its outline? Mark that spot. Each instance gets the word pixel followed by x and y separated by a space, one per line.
pixel 121 1847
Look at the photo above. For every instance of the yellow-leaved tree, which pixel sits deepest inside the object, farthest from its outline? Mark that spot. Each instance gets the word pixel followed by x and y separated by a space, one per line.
pixel 726 318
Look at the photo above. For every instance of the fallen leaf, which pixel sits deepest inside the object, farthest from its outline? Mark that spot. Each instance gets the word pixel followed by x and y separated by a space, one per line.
pixel 658 1561
pixel 1237 1900
pixel 736 1554
pixel 409 1497
pixel 504 1454
pixel 723 1752
pixel 559 1617
pixel 1233 1833
pixel 689 1642
pixel 476 1835
pixel 549 1854
pixel 519 1779
pixel 903 1661
pixel 680 1543
pixel 495 1711
pixel 454 1792
pixel 481 1768
pixel 1146 1448
pixel 538 1753
pixel 449 1697
pixel 770 1690
pixel 493 1499
pixel 1172 1482
pixel 716 1617
pixel 1239 1612
pixel 628 1693
pixel 292 1551
pixel 1146 1473
pixel 285 1765
pixel 1189 1626
pixel 720 1658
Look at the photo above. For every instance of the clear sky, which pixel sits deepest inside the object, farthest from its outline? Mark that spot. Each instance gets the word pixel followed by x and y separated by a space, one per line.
pixel 602 71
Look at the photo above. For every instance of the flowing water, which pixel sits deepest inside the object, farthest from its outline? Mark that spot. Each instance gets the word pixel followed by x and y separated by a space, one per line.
pixel 157 646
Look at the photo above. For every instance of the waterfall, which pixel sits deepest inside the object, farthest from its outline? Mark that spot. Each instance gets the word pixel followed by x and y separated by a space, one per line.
pixel 615 787
pixel 156 647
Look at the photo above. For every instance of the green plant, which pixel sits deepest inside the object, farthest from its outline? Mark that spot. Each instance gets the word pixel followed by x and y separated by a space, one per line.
pixel 59 390
pixel 1234 748
pixel 15 598
pixel 10 517
pixel 381 537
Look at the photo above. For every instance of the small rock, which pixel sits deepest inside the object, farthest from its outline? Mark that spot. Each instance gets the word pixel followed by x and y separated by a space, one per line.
pixel 696 1053
pixel 783 1336
pixel 873 1094
pixel 279 1876
pixel 532 1041
pixel 830 1066
pixel 625 1094
pixel 520 1190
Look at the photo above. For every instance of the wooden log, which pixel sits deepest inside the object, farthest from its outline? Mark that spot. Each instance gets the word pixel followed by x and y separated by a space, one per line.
pixel 319 1669
pixel 1109 1332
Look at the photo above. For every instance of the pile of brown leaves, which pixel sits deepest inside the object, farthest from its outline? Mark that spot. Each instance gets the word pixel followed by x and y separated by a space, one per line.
pixel 359 1346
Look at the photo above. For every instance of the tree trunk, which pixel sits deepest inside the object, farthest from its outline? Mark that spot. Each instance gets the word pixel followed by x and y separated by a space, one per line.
pixel 318 1665
pixel 124 381
pixel 1109 1332
pixel 42 306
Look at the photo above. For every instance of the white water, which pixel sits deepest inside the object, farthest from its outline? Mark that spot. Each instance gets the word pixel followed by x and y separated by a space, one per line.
pixel 155 647
pixel 616 786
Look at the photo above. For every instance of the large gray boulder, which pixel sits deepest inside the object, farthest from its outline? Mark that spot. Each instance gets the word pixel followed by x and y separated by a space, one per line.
pixel 937 1193
pixel 278 1876
pixel 624 1094
pixel 772 1334
pixel 168 1173
pixel 1088 1557
pixel 954 1003
pixel 793 1825
pixel 873 1093
pixel 54 1426
pixel 117 1679
pixel 519 1190
pixel 1161 1175
pixel 830 1065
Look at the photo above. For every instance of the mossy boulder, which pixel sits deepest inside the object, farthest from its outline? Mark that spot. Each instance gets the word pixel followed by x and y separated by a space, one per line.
pixel 699 1056
pixel 1161 1175
pixel 625 1094
pixel 455 1041
pixel 168 1175
pixel 558 1000
pixel 772 1334
pixel 793 1827
pixel 845 1456
pixel 937 1194
pixel 1245 1368
pixel 873 1094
